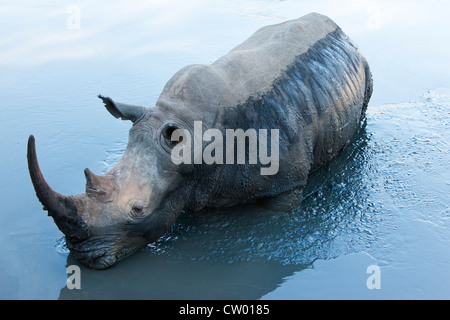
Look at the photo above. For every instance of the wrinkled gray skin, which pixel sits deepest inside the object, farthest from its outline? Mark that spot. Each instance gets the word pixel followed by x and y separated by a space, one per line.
pixel 304 77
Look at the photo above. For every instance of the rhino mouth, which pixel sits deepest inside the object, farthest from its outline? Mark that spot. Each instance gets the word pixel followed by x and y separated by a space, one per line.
pixel 100 253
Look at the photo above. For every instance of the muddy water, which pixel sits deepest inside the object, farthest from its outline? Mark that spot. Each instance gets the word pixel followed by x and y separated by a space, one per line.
pixel 383 202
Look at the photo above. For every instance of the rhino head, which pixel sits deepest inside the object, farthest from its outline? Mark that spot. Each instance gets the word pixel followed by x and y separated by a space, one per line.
pixel 129 206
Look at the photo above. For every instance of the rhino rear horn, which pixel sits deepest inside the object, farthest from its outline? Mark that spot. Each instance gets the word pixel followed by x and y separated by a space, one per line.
pixel 124 111
pixel 99 185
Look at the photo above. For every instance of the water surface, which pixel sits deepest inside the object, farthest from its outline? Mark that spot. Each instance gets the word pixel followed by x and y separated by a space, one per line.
pixel 384 201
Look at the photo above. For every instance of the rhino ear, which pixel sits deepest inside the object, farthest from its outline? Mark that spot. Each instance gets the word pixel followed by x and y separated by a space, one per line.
pixel 123 110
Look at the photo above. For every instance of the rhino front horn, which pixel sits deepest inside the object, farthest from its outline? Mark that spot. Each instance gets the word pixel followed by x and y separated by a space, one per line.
pixel 60 207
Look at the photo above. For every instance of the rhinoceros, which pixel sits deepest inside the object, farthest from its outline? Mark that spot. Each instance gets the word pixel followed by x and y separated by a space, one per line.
pixel 303 78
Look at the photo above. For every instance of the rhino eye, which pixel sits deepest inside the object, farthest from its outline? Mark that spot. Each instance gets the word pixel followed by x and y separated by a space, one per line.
pixel 137 210
pixel 166 136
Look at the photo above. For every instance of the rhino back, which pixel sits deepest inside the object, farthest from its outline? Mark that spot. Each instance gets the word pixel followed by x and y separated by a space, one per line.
pixel 316 100
pixel 247 71
pixel 253 66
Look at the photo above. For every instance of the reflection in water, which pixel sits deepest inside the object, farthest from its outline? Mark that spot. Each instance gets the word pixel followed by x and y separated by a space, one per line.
pixel 245 252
